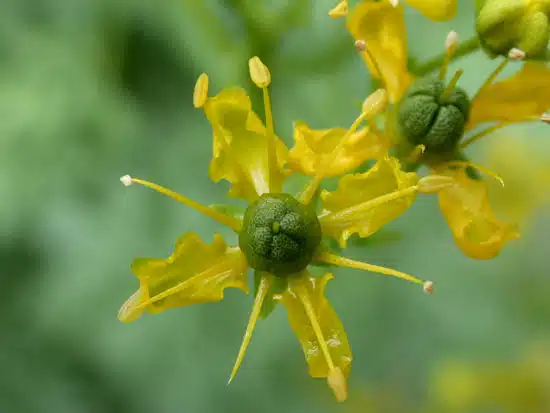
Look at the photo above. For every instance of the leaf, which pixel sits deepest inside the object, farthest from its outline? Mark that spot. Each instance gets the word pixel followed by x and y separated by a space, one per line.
pixel 356 206
pixel 195 273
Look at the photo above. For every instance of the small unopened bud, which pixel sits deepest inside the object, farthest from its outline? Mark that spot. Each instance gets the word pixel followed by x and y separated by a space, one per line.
pixel 432 184
pixel 200 94
pixel 341 10
pixel 545 117
pixel 361 45
pixel 516 54
pixel 428 287
pixel 337 382
pixel 451 42
pixel 126 180
pixel 375 103
pixel 259 73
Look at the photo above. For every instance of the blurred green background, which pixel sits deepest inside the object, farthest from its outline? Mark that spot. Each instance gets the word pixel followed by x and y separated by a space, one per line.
pixel 91 90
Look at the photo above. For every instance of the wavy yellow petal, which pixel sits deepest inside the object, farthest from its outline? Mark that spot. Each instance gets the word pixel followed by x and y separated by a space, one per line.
pixel 312 146
pixel 382 27
pixel 240 145
pixel 476 230
pixel 331 326
pixel 342 214
pixel 195 273
pixel 438 10
pixel 518 98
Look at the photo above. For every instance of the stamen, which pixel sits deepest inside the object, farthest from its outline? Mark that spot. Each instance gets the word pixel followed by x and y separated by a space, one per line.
pixel 362 47
pixel 493 76
pixel 432 184
pixel 483 133
pixel 394 3
pixel 335 379
pixel 468 164
pixel 259 73
pixel 371 203
pixel 334 259
pixel 450 87
pixel 516 54
pixel 265 284
pixel 545 117
pixel 451 43
pixel 200 94
pixel 209 212
pixel 372 106
pixel 428 287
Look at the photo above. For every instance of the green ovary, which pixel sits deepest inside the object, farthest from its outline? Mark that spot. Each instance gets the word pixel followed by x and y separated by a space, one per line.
pixel 279 234
pixel 431 117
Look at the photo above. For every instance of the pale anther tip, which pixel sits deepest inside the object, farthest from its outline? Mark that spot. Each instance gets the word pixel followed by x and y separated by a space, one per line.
pixel 360 45
pixel 545 117
pixel 428 287
pixel 452 40
pixel 394 3
pixel 126 180
pixel 337 382
pixel 516 54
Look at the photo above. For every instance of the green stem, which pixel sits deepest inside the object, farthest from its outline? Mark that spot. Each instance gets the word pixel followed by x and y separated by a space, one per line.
pixel 463 49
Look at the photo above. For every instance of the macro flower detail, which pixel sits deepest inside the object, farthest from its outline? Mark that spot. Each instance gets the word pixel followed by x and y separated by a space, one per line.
pixel 434 122
pixel 505 24
pixel 280 234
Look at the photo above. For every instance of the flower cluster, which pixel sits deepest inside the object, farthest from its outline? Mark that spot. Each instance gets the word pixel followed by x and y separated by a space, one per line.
pixel 411 121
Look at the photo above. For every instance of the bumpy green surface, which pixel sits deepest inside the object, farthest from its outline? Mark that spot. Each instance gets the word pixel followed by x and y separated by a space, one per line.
pixel 279 234
pixel 428 119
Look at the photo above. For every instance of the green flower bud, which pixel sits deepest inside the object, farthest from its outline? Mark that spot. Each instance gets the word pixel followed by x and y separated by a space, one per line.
pixel 279 234
pixel 506 24
pixel 433 116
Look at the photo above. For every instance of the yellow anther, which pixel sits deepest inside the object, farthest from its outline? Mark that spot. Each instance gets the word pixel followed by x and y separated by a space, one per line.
pixel 200 94
pixel 259 73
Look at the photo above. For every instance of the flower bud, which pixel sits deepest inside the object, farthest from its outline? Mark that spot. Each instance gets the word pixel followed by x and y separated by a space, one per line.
pixel 506 24
pixel 432 116
pixel 279 234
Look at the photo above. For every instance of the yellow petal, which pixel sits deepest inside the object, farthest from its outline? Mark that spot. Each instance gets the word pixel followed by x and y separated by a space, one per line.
pixel 527 176
pixel 438 10
pixel 342 213
pixel 195 273
pixel 312 146
pixel 240 145
pixel 382 27
pixel 518 98
pixel 331 326
pixel 476 230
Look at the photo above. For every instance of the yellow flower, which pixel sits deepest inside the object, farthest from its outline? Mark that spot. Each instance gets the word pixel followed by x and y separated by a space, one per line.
pixel 279 235
pixel 438 10
pixel 431 118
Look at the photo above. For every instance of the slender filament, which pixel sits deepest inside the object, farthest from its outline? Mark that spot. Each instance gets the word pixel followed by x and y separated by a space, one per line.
pixel 326 163
pixel 493 76
pixel 265 284
pixel 271 149
pixel 371 203
pixel 450 87
pixel 209 212
pixel 331 258
pixel 303 296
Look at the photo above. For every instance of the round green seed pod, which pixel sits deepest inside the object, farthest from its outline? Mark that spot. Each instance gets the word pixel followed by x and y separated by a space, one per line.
pixel 427 116
pixel 505 24
pixel 279 234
